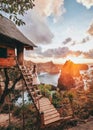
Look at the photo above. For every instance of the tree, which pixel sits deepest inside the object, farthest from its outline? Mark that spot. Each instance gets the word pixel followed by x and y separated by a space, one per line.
pixel 15 8
pixel 71 97
pixel 7 76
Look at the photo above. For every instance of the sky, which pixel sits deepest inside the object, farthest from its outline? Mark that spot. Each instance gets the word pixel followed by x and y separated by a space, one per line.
pixel 62 30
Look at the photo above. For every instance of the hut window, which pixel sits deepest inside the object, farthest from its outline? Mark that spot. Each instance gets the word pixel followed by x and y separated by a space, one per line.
pixel 3 52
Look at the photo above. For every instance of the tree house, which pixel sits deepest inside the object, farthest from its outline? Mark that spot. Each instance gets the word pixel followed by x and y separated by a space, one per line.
pixel 12 44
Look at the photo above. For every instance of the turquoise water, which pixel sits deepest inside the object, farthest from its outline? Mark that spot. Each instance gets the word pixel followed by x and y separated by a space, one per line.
pixel 49 78
pixel 45 78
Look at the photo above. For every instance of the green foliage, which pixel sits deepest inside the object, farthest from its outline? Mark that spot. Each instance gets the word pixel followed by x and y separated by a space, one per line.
pixel 17 111
pixel 13 73
pixel 13 127
pixel 27 108
pixel 70 96
pixel 56 99
pixel 2 128
pixel 16 94
pixel 15 8
pixel 30 116
pixel 45 90
pixel 5 108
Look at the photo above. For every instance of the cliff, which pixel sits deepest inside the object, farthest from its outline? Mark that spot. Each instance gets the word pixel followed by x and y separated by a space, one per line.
pixel 69 74
pixel 49 67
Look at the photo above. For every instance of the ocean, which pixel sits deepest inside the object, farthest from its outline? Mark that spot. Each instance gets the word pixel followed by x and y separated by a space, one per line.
pixel 47 78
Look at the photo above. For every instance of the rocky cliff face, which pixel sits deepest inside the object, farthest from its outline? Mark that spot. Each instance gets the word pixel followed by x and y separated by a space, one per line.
pixel 49 67
pixel 70 74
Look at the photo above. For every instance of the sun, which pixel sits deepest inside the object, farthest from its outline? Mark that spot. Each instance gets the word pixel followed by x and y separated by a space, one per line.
pixel 79 59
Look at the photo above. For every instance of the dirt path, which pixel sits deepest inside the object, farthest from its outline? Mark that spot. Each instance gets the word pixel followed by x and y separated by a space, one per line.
pixel 85 126
pixel 4 119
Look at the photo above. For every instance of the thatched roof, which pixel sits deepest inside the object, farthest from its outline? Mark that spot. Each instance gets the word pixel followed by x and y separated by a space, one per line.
pixel 9 31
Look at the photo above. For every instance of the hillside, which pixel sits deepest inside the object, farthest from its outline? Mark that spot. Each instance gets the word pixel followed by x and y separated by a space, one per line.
pixel 49 67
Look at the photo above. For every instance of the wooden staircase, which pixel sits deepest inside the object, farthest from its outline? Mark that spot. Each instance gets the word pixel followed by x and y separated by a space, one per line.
pixel 48 113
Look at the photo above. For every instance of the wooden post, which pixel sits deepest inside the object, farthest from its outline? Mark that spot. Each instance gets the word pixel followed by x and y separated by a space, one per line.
pixel 23 106
pixel 9 115
pixel 42 119
pixel 20 54
pixel 50 98
pixel 38 104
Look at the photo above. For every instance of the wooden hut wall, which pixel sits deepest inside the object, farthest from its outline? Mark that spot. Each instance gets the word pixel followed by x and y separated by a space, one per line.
pixel 7 56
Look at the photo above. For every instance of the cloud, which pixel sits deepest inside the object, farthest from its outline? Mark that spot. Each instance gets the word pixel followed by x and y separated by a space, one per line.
pixel 90 30
pixel 36 52
pixel 86 3
pixel 49 7
pixel 57 53
pixel 89 54
pixel 60 52
pixel 67 40
pixel 73 43
pixel 86 39
pixel 36 28
pixel 63 52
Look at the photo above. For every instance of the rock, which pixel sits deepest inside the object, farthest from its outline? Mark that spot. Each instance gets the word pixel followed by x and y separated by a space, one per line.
pixel 70 72
pixel 49 67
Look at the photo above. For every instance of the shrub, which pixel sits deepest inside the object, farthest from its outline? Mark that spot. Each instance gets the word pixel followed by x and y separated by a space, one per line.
pixel 56 99
pixel 45 90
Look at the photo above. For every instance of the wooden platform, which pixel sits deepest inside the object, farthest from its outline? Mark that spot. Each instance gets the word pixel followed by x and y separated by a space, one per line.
pixel 50 113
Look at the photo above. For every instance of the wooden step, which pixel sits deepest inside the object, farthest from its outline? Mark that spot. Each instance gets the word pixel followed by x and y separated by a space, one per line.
pixel 31 89
pixel 44 101
pixel 35 92
pixel 28 78
pixel 41 105
pixel 52 120
pixel 23 71
pixel 45 104
pixel 50 113
pixel 26 74
pixel 28 83
pixel 48 110
pixel 57 119
pixel 51 117
pixel 37 98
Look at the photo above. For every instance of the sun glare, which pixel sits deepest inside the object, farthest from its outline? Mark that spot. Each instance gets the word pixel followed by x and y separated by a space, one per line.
pixel 79 59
